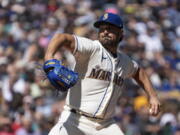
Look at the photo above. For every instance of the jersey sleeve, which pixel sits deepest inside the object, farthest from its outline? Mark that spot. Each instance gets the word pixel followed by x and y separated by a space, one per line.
pixel 134 68
pixel 84 46
pixel 130 66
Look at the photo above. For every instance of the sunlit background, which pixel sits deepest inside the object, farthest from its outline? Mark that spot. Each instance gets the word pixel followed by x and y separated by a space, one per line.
pixel 30 106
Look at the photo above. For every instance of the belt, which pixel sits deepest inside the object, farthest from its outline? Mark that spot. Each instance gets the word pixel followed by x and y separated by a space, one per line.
pixel 83 114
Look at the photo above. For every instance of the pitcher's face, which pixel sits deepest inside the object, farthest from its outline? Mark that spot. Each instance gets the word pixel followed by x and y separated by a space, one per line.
pixel 109 35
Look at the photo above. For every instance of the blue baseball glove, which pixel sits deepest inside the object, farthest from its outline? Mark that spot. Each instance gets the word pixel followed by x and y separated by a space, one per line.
pixel 60 76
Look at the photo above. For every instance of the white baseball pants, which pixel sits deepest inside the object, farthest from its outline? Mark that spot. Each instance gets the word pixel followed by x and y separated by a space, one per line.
pixel 75 124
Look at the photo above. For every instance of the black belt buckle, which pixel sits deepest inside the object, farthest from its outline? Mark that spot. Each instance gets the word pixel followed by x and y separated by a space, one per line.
pixel 76 112
pixel 73 111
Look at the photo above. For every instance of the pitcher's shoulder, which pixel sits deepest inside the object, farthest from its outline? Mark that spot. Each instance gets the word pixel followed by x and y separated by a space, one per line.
pixel 97 43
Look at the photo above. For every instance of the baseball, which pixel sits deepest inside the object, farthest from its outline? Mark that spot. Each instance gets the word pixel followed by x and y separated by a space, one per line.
pixel 150 111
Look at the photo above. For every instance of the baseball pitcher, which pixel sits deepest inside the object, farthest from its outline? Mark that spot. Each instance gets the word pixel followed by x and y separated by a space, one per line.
pixel 96 81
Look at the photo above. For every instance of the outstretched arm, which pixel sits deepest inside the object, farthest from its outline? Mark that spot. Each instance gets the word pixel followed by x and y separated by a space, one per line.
pixel 142 79
pixel 58 41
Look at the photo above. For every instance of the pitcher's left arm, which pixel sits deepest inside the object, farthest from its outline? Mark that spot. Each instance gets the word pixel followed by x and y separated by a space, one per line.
pixel 142 79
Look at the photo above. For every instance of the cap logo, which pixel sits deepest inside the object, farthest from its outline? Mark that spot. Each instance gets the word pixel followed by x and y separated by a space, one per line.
pixel 105 16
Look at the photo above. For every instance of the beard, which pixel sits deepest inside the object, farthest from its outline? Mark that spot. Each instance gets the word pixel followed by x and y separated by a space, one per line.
pixel 107 42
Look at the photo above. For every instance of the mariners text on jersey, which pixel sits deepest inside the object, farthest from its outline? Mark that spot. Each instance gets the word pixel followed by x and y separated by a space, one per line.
pixel 101 74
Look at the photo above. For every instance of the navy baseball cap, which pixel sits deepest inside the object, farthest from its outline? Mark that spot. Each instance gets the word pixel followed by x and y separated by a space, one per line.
pixel 109 18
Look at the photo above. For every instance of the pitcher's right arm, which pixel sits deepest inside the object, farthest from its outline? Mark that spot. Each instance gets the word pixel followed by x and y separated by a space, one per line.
pixel 58 41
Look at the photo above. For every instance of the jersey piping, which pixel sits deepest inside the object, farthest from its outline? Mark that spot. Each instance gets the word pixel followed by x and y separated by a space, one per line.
pixel 105 90
pixel 76 45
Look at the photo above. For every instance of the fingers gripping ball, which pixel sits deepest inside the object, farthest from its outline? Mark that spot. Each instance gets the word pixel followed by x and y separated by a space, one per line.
pixel 60 76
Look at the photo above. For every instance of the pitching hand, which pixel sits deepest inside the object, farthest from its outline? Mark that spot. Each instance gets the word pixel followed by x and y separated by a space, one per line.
pixel 154 106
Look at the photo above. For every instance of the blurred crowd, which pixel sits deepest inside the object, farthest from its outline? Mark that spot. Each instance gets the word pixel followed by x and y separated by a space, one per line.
pixel 30 106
